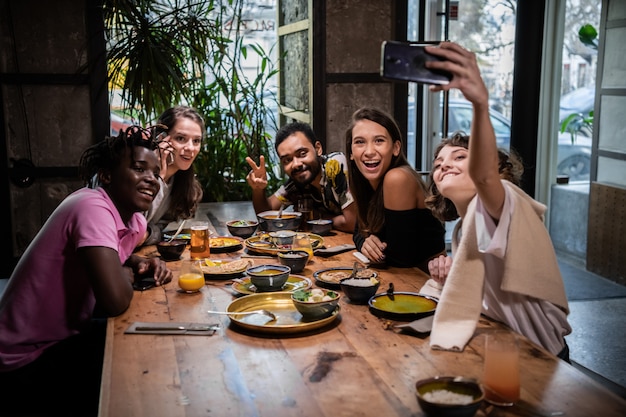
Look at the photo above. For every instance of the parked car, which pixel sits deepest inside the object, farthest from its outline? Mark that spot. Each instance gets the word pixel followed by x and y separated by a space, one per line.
pixel 579 101
pixel 574 157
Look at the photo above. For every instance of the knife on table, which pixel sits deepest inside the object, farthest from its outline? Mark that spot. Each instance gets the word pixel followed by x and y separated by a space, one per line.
pixel 194 328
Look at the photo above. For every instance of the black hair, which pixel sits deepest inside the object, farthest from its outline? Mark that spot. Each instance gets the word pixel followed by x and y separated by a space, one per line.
pixel 288 130
pixel 109 153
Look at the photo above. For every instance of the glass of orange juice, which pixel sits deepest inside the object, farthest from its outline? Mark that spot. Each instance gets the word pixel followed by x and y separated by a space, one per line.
pixel 501 373
pixel 301 241
pixel 191 277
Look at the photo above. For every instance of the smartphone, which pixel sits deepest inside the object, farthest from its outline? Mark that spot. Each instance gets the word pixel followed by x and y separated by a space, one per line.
pixel 145 283
pixel 404 61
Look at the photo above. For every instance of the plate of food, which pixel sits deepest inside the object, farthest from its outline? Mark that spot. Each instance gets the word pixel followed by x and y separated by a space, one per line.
pixel 181 236
pixel 288 318
pixel 402 306
pixel 244 286
pixel 330 277
pixel 226 268
pixel 265 245
pixel 220 244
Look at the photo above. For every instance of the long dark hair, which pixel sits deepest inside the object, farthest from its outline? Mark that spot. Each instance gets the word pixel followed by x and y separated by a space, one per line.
pixel 186 190
pixel 370 203
pixel 509 165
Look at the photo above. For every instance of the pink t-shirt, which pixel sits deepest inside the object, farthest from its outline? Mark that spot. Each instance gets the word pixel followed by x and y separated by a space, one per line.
pixel 49 298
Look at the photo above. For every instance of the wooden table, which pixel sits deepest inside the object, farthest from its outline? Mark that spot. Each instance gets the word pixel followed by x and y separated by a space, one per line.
pixel 358 366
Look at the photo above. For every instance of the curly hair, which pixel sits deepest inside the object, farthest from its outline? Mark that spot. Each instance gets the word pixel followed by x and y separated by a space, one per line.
pixel 108 154
pixel 509 166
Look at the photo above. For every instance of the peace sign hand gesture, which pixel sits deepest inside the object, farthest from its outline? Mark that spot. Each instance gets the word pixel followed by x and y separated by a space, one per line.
pixel 257 177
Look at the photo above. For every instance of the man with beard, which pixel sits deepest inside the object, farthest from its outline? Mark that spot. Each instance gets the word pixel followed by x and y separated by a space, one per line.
pixel 312 176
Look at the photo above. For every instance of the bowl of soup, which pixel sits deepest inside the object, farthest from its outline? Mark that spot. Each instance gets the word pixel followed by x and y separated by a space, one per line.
pixel 270 277
pixel 272 220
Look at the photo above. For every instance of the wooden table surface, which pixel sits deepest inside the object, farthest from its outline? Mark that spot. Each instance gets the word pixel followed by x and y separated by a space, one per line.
pixel 357 366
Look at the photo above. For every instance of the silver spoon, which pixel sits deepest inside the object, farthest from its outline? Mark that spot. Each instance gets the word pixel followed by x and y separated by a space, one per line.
pixel 263 312
pixel 177 231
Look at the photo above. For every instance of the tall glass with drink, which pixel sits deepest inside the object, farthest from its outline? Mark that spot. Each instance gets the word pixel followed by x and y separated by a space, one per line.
pixel 301 241
pixel 501 373
pixel 305 206
pixel 200 244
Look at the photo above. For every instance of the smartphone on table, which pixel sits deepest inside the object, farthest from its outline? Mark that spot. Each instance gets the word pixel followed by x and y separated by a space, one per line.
pixel 404 61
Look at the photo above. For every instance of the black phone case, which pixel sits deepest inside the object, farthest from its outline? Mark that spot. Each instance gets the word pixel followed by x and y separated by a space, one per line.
pixel 404 61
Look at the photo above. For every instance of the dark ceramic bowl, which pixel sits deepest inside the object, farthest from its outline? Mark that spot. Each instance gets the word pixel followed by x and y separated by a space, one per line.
pixel 242 228
pixel 321 226
pixel 269 277
pixel 296 260
pixel 312 308
pixel 270 222
pixel 449 396
pixel 359 290
pixel 171 251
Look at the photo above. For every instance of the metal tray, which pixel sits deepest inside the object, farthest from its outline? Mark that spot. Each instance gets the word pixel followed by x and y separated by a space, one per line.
pixel 288 318
pixel 261 244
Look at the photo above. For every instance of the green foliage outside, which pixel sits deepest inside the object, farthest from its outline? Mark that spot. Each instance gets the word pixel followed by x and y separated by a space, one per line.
pixel 164 53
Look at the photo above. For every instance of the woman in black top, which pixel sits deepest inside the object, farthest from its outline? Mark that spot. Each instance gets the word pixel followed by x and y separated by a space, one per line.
pixel 393 224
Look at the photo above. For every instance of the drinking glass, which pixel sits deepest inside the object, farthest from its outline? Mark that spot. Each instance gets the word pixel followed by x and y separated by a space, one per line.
pixel 191 277
pixel 501 373
pixel 302 242
pixel 200 247
pixel 305 206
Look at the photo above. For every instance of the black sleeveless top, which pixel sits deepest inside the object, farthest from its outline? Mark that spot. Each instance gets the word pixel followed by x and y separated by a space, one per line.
pixel 412 237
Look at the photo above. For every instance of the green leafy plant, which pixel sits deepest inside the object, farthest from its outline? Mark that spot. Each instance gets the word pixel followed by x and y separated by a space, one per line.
pixel 162 53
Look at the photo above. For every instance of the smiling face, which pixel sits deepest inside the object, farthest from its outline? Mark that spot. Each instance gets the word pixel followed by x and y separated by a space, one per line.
pixel 372 150
pixel 450 174
pixel 299 158
pixel 133 184
pixel 184 140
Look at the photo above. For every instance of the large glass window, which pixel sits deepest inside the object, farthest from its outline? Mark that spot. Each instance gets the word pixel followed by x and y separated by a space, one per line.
pixel 578 91
pixel 484 27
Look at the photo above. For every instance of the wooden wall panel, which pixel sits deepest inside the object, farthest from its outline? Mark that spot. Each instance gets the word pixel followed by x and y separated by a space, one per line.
pixel 606 235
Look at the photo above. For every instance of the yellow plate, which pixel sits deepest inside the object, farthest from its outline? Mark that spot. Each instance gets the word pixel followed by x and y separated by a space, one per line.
pixel 220 244
pixel 288 318
pixel 226 268
pixel 294 282
pixel 261 244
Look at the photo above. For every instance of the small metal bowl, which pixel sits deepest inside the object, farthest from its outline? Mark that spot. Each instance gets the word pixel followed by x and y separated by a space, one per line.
pixel 449 396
